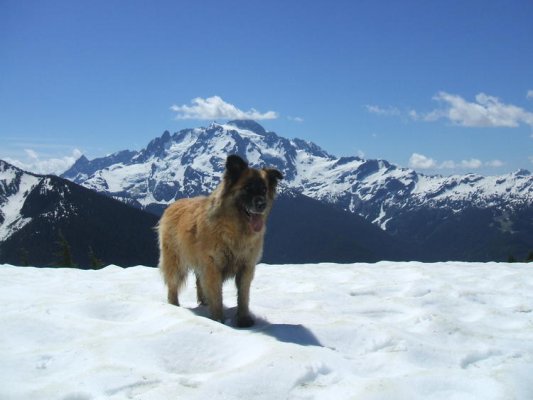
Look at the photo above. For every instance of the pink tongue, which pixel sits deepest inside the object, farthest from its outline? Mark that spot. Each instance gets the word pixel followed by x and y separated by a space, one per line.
pixel 256 222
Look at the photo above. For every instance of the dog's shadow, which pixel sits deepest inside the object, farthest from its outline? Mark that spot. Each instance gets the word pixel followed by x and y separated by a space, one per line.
pixel 286 333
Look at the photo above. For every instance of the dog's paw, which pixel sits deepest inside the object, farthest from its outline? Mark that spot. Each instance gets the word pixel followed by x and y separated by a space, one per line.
pixel 244 321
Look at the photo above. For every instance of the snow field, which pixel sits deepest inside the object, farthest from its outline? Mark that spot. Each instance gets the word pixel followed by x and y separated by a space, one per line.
pixel 370 331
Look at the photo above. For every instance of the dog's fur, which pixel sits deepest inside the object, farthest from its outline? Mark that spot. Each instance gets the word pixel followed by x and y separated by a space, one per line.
pixel 219 236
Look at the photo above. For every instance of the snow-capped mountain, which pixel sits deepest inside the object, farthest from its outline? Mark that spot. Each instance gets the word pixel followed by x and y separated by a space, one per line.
pixel 15 187
pixel 37 211
pixel 468 217
pixel 190 162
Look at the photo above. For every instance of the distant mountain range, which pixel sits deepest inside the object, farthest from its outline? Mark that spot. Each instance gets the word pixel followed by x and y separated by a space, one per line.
pixel 37 211
pixel 462 217
pixel 329 208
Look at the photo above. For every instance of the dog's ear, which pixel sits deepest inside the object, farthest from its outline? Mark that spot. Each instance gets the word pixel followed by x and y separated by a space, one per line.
pixel 235 166
pixel 273 176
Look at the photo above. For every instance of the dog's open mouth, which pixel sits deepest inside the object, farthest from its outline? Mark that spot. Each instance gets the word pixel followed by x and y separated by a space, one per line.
pixel 255 220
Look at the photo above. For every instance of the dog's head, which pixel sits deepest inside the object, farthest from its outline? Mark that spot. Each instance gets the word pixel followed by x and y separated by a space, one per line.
pixel 251 190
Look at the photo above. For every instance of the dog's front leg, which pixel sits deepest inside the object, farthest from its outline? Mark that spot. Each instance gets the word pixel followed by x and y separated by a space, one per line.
pixel 243 280
pixel 211 283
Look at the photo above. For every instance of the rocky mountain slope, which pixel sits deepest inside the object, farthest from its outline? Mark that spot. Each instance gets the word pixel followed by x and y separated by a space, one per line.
pixel 37 212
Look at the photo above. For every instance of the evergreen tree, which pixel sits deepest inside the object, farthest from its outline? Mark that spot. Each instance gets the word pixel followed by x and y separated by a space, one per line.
pixel 24 257
pixel 96 263
pixel 64 256
pixel 530 257
pixel 511 259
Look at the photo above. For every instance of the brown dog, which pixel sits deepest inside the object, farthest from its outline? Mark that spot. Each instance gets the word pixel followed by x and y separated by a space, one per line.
pixel 219 237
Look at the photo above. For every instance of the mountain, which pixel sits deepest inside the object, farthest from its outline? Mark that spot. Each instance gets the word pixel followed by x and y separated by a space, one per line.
pixel 302 229
pixel 491 215
pixel 36 211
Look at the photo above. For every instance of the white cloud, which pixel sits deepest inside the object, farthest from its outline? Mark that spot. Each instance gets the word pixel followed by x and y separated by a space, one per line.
pixel 485 111
pixel 473 163
pixel 295 119
pixel 449 164
pixel 414 115
pixel 420 161
pixel 214 108
pixel 50 165
pixel 495 163
pixel 31 154
pixel 388 112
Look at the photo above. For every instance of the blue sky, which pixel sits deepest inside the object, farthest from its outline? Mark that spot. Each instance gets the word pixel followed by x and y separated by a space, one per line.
pixel 444 87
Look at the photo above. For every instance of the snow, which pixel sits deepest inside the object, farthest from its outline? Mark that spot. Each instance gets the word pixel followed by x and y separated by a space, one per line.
pixel 381 220
pixel 120 176
pixel 242 132
pixel 7 175
pixel 257 148
pixel 475 188
pixel 326 331
pixel 12 206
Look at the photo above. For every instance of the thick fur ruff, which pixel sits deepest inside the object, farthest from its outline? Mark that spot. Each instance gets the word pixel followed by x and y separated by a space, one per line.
pixel 218 237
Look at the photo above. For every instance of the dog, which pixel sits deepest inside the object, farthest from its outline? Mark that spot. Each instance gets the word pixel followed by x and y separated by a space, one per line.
pixel 219 236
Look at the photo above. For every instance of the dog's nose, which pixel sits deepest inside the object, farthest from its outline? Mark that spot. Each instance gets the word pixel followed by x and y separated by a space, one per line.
pixel 260 204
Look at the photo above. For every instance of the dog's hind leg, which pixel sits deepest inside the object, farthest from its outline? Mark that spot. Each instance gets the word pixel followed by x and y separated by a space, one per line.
pixel 173 296
pixel 199 292
pixel 174 274
pixel 174 284
pixel 211 283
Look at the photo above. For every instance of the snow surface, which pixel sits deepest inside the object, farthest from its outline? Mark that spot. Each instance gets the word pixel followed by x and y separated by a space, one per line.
pixel 362 331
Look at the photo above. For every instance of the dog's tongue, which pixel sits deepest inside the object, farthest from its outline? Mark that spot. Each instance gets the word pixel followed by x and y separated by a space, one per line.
pixel 256 222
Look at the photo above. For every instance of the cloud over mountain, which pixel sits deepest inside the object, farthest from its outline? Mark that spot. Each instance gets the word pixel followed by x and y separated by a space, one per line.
pixel 40 164
pixel 213 108
pixel 485 111
pixel 420 161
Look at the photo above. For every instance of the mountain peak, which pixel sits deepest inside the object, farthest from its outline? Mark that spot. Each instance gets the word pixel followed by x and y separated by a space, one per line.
pixel 249 125
pixel 82 160
pixel 4 165
pixel 522 172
